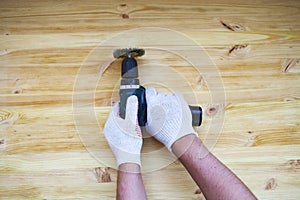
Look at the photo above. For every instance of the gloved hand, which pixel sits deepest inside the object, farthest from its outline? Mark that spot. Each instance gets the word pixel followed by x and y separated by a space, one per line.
pixel 124 135
pixel 168 117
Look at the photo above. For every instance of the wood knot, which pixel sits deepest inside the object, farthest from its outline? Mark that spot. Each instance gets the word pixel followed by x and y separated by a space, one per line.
pixel 211 110
pixel 2 143
pixel 17 91
pixel 288 99
pixel 197 191
pixel 200 196
pixel 7 117
pixel 271 184
pixel 295 164
pixel 200 82
pixel 125 16
pixel 102 174
pixel 122 7
pixel 113 101
pixel 239 50
pixel 233 26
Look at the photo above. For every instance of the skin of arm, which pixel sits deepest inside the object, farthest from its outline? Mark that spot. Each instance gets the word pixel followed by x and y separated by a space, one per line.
pixel 215 180
pixel 130 184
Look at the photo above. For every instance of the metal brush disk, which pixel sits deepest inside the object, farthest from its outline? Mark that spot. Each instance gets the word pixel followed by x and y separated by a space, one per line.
pixel 128 52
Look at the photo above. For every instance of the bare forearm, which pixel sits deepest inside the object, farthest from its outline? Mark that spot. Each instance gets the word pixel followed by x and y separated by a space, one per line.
pixel 214 179
pixel 130 184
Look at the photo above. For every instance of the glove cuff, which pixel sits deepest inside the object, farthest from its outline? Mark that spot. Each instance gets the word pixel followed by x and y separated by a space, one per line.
pixel 180 135
pixel 129 158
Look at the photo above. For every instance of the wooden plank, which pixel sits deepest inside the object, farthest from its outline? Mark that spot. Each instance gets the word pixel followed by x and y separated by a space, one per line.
pixel 45 173
pixel 260 124
pixel 93 13
pixel 23 85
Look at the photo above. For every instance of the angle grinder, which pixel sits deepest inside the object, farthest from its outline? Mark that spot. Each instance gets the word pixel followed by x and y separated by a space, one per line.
pixel 130 85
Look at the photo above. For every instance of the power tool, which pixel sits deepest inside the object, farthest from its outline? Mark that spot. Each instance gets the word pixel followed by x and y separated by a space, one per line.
pixel 130 85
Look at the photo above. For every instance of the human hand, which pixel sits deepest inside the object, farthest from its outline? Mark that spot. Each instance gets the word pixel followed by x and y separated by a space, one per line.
pixel 168 117
pixel 124 135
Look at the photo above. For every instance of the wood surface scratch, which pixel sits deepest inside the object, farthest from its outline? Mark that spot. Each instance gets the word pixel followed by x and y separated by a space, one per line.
pixel 289 63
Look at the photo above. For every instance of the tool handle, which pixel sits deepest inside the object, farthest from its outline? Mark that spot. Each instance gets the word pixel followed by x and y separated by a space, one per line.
pixel 140 93
pixel 196 115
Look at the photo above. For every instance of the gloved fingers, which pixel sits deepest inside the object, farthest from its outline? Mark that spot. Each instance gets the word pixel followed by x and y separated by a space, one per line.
pixel 132 109
pixel 161 97
pixel 156 119
pixel 181 101
pixel 116 110
pixel 179 96
pixel 150 95
pixel 132 113
pixel 150 92
pixel 113 115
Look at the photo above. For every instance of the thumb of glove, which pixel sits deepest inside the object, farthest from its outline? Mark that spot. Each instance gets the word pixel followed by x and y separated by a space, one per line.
pixel 132 109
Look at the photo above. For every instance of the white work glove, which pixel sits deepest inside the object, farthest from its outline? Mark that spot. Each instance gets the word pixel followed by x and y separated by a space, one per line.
pixel 169 117
pixel 124 135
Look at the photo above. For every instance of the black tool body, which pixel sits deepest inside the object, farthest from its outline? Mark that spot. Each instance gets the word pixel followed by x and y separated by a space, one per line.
pixel 130 86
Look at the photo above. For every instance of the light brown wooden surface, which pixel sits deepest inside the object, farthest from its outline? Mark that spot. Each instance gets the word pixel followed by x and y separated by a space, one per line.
pixel 254 44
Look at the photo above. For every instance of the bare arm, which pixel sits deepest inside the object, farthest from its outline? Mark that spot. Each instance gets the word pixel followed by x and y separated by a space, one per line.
pixel 130 185
pixel 215 180
pixel 125 140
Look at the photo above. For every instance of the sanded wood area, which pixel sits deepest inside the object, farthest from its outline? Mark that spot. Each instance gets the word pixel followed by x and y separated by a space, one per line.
pixel 254 44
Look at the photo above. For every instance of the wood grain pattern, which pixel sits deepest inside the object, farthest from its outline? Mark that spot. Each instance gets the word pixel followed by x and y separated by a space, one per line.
pixel 255 46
